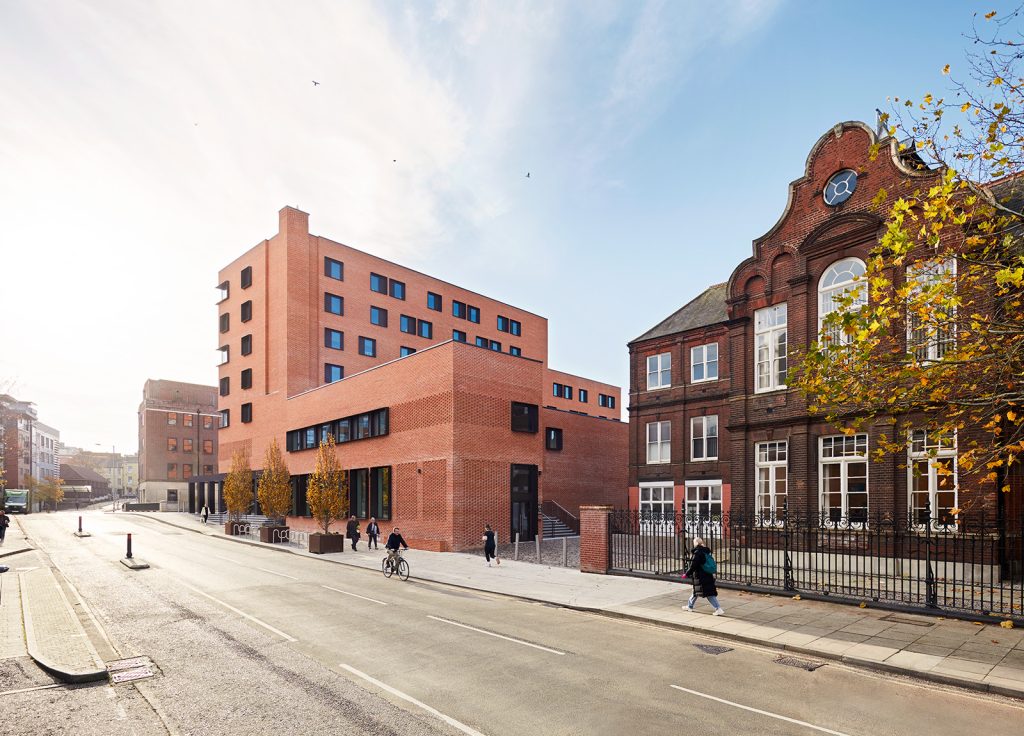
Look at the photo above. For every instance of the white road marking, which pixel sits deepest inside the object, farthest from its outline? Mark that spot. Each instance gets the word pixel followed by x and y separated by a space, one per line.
pixel 263 569
pixel 246 565
pixel 399 694
pixel 30 689
pixel 762 712
pixel 499 636
pixel 243 613
pixel 354 595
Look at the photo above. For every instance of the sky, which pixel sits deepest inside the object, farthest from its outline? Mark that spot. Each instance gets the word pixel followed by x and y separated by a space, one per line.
pixel 143 146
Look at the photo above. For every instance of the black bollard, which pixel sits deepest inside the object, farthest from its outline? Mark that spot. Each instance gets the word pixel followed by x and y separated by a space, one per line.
pixel 129 555
pixel 79 524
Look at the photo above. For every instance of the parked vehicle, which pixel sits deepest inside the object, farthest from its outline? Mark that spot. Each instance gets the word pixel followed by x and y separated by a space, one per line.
pixel 16 501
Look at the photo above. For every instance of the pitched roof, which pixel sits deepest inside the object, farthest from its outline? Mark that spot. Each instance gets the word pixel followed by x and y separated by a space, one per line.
pixel 80 475
pixel 707 309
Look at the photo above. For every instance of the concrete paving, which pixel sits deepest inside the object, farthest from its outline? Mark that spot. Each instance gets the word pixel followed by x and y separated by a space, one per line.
pixel 968 654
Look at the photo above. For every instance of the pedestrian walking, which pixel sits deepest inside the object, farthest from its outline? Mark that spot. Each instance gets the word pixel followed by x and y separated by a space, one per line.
pixel 490 545
pixel 205 513
pixel 4 523
pixel 352 532
pixel 372 532
pixel 701 573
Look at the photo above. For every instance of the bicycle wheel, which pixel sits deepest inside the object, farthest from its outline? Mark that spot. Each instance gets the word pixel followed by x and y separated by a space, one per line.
pixel 386 568
pixel 403 569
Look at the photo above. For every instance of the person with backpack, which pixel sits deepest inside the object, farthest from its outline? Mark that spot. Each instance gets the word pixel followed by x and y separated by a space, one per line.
pixel 701 573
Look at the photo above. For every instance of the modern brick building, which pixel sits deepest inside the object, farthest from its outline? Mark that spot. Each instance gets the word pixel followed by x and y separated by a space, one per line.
pixel 177 440
pixel 713 424
pixel 27 446
pixel 445 411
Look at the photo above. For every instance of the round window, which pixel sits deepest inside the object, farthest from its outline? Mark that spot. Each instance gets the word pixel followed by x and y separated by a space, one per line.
pixel 840 186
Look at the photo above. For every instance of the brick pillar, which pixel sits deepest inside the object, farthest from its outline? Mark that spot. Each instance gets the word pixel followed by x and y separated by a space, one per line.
pixel 595 548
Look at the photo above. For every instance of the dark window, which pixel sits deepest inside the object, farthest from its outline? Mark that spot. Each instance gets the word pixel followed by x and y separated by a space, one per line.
pixel 403 351
pixel 495 346
pixel 502 324
pixel 333 303
pixel 333 372
pixel 458 336
pixel 583 396
pixel 378 283
pixel 606 401
pixel 458 310
pixel 553 438
pixel 172 444
pixel 515 328
pixel 246 277
pixel 567 392
pixel 380 493
pixel 556 389
pixel 225 417
pixel 397 289
pixel 425 329
pixel 334 269
pixel 246 413
pixel 225 386
pixel 172 472
pixel 246 311
pixel 513 350
pixel 407 324
pixel 358 492
pixel 473 314
pixel 334 339
pixel 246 344
pixel 379 316
pixel 207 470
pixel 368 347
pixel 246 378
pixel 481 342
pixel 433 301
pixel 524 417
pixel 225 322
pixel 360 426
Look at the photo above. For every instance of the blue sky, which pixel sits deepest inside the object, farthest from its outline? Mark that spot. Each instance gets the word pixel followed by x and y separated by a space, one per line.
pixel 144 146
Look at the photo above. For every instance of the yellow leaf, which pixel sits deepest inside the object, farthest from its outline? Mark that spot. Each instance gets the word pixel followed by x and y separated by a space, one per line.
pixel 977 623
pixel 997 81
pixel 1007 624
pixel 863 604
pixel 965 107
pixel 928 99
pixel 796 597
pixel 945 69
pixel 1011 415
pixel 989 16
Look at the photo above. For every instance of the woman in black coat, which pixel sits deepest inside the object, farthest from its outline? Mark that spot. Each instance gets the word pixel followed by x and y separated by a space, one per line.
pixel 352 532
pixel 703 582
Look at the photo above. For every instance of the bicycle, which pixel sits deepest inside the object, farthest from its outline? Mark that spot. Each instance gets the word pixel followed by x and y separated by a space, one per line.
pixel 389 566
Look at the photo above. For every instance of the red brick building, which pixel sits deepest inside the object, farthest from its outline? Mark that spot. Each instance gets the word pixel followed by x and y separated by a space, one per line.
pixel 445 411
pixel 713 424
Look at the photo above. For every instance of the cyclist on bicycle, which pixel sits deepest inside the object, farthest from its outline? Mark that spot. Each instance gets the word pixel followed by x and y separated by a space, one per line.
pixel 395 541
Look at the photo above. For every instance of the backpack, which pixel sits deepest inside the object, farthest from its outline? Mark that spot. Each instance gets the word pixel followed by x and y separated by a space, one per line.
pixel 710 566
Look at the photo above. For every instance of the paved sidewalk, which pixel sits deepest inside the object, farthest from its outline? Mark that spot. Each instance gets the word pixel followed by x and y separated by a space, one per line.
pixel 980 656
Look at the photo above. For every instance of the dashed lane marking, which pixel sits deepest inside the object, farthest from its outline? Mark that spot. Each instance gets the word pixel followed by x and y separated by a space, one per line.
pixel 805 724
pixel 399 694
pixel 255 620
pixel 354 595
pixel 30 689
pixel 499 636
pixel 263 569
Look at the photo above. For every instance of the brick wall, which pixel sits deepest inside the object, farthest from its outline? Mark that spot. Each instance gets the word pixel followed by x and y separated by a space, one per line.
pixel 595 550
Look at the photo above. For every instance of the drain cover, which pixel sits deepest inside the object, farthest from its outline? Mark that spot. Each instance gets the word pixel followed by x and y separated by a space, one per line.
pixel 127 664
pixel 803 664
pixel 712 649
pixel 897 619
pixel 138 673
pixel 133 668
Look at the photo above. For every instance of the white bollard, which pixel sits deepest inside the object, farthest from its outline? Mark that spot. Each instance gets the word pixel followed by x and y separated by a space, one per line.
pixel 565 553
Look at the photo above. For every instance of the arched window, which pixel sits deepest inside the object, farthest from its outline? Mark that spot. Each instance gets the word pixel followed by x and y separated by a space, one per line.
pixel 839 278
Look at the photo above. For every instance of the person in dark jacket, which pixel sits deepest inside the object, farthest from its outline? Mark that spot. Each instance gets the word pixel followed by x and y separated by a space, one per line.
pixel 703 582
pixel 372 532
pixel 490 545
pixel 352 531
pixel 4 523
pixel 395 541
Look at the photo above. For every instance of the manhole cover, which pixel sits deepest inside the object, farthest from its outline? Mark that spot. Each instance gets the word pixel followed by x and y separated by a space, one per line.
pixel 137 673
pixel 803 664
pixel 712 649
pixel 132 668
pixel 897 619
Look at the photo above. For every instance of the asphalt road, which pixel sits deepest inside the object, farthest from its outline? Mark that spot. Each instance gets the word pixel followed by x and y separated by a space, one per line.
pixel 254 641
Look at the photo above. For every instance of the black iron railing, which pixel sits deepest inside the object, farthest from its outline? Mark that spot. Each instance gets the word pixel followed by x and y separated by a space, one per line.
pixel 971 564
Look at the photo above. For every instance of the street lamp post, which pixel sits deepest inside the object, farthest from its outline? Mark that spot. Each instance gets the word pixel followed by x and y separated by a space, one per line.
pixel 113 491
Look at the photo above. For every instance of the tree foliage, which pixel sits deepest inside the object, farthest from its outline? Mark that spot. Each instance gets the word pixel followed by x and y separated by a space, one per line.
pixel 327 488
pixel 274 488
pixel 939 343
pixel 238 485
pixel 51 492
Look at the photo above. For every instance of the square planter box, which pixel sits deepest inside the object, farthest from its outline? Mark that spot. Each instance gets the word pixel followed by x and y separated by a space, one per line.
pixel 273 534
pixel 232 528
pixel 325 544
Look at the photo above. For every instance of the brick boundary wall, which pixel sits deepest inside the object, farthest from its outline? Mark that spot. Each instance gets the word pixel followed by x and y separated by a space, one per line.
pixel 595 550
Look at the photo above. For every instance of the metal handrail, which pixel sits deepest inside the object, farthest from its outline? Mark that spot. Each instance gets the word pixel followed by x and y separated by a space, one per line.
pixel 556 510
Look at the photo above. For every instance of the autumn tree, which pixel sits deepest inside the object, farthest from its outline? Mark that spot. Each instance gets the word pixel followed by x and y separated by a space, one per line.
pixel 238 486
pixel 274 488
pixel 51 491
pixel 327 487
pixel 938 342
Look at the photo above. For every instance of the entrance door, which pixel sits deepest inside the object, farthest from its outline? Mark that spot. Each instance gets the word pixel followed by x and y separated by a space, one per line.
pixel 524 502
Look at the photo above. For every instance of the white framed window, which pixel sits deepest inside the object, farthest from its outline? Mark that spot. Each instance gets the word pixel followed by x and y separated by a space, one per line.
pixel 659 371
pixel 842 280
pixel 704 438
pixel 930 336
pixel 770 364
pixel 843 478
pixel 703 507
pixel 659 442
pixel 932 478
pixel 657 507
pixel 771 465
pixel 704 363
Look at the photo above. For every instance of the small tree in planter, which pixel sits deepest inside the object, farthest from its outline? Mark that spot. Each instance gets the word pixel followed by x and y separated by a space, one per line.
pixel 275 493
pixel 327 498
pixel 237 490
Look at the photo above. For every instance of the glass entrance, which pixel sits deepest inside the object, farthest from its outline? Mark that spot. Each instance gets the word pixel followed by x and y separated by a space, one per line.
pixel 524 502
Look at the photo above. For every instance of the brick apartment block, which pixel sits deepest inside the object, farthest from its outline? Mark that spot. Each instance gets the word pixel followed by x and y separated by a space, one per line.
pixel 447 414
